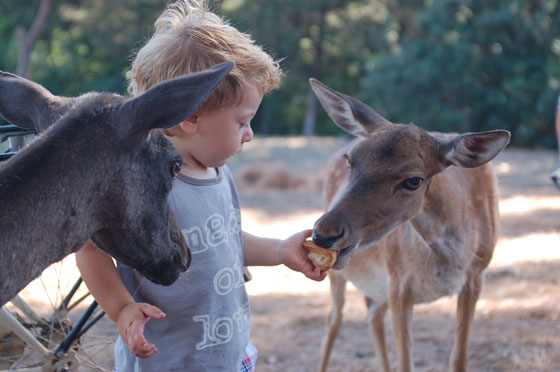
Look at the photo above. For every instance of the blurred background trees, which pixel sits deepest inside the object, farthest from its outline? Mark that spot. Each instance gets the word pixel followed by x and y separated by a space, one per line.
pixel 448 65
pixel 474 65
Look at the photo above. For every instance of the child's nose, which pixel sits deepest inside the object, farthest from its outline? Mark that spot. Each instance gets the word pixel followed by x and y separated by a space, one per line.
pixel 248 135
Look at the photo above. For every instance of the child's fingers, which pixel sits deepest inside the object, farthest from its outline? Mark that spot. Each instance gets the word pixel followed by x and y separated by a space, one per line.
pixel 137 342
pixel 144 351
pixel 320 274
pixel 133 333
pixel 152 311
pixel 150 353
pixel 315 273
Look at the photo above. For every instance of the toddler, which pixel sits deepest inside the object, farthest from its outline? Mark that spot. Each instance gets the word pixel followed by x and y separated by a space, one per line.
pixel 201 322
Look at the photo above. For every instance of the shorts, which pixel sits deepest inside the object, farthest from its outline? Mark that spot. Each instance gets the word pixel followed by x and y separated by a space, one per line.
pixel 247 364
pixel 250 359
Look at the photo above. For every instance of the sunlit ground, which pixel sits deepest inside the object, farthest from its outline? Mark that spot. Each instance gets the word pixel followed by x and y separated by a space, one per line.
pixel 523 178
pixel 518 315
pixel 517 318
pixel 534 247
pixel 517 321
pixel 529 247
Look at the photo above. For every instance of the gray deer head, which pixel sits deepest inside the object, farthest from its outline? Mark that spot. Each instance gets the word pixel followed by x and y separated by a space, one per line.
pixel 102 169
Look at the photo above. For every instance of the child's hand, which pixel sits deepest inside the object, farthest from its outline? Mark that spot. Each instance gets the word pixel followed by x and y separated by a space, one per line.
pixel 131 321
pixel 295 257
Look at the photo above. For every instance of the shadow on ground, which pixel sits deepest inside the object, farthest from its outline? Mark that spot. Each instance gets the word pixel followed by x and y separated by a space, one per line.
pixel 516 328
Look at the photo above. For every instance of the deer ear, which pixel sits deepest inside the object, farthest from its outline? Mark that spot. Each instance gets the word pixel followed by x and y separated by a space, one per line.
pixel 471 150
pixel 172 101
pixel 348 113
pixel 29 105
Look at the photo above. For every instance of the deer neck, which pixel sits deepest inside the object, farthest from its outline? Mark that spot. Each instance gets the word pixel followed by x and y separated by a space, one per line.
pixel 439 223
pixel 59 220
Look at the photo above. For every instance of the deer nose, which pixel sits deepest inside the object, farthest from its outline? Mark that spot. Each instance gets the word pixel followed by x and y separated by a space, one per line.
pixel 183 261
pixel 326 241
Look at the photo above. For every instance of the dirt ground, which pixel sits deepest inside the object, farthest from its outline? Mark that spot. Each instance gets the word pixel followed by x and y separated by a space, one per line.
pixel 516 327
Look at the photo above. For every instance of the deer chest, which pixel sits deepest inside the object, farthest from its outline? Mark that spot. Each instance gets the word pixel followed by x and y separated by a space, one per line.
pixel 368 273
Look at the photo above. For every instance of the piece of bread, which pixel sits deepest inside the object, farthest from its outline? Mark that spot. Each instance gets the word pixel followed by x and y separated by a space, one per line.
pixel 321 257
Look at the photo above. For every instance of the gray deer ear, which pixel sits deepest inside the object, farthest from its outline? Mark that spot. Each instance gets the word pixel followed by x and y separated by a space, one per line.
pixel 172 101
pixel 348 113
pixel 27 104
pixel 471 150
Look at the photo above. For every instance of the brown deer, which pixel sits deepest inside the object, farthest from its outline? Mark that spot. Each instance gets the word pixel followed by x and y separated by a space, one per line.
pixel 101 170
pixel 413 217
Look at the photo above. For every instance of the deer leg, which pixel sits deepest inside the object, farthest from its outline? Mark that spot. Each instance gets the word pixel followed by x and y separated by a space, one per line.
pixel 376 318
pixel 466 304
pixel 334 319
pixel 401 303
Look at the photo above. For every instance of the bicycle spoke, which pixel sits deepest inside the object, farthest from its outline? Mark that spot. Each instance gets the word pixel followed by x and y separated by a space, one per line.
pixel 94 350
pixel 50 327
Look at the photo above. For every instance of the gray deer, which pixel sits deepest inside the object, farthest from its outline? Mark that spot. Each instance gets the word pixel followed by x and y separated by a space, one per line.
pixel 100 170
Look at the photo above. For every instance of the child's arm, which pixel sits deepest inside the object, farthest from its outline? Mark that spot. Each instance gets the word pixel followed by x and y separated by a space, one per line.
pixel 269 252
pixel 105 284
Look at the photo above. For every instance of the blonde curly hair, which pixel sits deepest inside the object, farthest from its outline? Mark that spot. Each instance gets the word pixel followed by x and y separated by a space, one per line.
pixel 188 38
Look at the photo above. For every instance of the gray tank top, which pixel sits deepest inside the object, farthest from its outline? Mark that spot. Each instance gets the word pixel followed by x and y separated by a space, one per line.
pixel 207 325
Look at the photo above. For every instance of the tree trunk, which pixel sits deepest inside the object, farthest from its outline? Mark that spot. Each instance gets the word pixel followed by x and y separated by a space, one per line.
pixel 27 39
pixel 311 112
pixel 264 118
pixel 310 115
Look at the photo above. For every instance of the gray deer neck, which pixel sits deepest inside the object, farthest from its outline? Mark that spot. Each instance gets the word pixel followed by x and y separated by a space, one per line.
pixel 60 221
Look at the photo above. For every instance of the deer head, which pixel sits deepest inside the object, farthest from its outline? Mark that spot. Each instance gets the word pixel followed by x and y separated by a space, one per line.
pixel 102 170
pixel 389 172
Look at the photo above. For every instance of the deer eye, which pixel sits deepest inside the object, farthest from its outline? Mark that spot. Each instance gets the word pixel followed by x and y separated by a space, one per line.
pixel 412 183
pixel 175 168
pixel 348 166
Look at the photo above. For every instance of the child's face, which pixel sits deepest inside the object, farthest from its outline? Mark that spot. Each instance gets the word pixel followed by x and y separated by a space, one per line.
pixel 221 134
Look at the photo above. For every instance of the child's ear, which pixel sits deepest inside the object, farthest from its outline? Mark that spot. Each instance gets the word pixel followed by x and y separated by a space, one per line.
pixel 190 124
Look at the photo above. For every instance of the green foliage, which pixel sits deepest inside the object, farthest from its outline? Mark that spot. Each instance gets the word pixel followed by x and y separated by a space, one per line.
pixel 329 40
pixel 474 65
pixel 449 65
pixel 86 46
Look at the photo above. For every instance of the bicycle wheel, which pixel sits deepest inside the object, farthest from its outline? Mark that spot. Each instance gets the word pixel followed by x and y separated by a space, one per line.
pixel 50 316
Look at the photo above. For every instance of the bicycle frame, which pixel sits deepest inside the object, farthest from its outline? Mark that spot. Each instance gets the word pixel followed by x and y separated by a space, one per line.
pixel 62 351
pixel 8 320
pixel 13 133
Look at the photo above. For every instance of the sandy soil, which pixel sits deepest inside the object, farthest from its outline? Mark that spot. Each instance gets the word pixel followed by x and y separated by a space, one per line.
pixel 516 327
